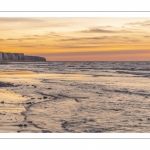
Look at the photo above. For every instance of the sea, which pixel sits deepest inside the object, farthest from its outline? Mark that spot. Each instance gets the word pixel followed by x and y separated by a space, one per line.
pixel 75 97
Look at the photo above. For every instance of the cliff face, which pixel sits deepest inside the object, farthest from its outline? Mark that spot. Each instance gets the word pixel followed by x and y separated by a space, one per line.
pixel 19 57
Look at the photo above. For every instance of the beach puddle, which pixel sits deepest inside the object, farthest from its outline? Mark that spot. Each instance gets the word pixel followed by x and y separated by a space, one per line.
pixel 18 76
pixel 11 107
pixel 66 76
pixel 11 102
pixel 8 96
pixel 35 78
pixel 16 72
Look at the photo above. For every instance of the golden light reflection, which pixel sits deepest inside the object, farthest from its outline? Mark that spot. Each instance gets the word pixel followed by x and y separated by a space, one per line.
pixel 8 96
pixel 16 72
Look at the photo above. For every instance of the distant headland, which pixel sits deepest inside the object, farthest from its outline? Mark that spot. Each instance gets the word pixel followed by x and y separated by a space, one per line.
pixel 19 57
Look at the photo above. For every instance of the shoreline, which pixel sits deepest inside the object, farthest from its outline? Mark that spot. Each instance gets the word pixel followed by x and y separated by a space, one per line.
pixel 74 98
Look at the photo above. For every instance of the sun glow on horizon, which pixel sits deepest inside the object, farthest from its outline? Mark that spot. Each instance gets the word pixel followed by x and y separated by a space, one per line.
pixel 77 39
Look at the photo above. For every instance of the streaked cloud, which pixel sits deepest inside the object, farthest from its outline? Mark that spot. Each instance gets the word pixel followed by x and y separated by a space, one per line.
pixel 106 30
pixel 98 30
pixel 57 38
pixel 140 23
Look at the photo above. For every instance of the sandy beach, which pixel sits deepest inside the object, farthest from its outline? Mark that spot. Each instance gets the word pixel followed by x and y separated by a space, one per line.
pixel 55 97
pixel 27 90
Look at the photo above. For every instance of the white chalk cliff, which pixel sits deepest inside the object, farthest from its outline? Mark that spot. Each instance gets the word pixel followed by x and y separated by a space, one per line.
pixel 19 57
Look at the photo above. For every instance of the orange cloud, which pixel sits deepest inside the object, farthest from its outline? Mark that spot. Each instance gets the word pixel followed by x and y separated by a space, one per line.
pixel 77 39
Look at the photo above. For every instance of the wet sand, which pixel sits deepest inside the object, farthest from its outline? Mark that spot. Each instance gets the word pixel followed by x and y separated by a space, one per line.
pixel 24 91
pixel 11 107
pixel 70 101
pixel 16 72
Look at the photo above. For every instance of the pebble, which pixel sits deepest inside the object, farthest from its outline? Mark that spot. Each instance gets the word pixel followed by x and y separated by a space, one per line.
pixel 28 103
pixel 25 125
pixel 46 131
pixel 20 125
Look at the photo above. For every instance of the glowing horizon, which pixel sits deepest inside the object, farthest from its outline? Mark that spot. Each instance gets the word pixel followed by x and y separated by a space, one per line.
pixel 77 39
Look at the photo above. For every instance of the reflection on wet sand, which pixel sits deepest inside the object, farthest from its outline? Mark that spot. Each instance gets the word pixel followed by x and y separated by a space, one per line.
pixel 16 72
pixel 11 107
pixel 73 101
pixel 8 96
pixel 19 99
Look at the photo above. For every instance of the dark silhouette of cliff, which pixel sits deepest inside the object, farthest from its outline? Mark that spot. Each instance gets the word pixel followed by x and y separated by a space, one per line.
pixel 19 57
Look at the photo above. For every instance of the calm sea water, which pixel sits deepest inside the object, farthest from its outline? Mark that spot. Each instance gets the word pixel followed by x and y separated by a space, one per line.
pixel 81 97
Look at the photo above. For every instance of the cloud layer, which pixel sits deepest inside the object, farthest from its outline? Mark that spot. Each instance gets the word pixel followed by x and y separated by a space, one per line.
pixel 77 38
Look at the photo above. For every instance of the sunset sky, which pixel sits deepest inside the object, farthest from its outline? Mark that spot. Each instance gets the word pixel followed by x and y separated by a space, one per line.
pixel 77 39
